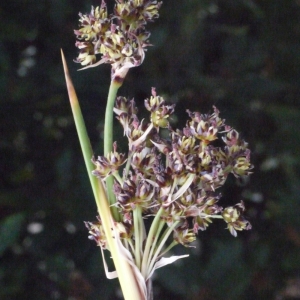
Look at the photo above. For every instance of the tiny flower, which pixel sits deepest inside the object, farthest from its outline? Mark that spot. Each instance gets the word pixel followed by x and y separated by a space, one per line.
pixel 106 166
pixel 232 138
pixel 123 105
pixel 186 144
pixel 201 223
pixel 159 111
pixel 145 161
pixel 97 233
pixel 242 166
pixel 204 127
pixel 103 168
pixel 172 213
pixel 136 12
pixel 233 217
pixel 184 236
pixel 87 54
pixel 93 24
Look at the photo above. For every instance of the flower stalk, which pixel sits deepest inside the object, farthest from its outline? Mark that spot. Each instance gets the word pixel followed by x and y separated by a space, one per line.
pixel 115 84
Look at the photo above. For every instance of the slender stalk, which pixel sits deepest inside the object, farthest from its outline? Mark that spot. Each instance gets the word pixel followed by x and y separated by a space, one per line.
pixel 137 216
pixel 109 115
pixel 108 140
pixel 127 167
pixel 130 287
pixel 153 246
pixel 131 245
pixel 149 289
pixel 162 243
pixel 174 243
pixel 151 236
pixel 118 177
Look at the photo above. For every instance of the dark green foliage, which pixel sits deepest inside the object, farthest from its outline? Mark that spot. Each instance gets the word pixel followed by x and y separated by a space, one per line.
pixel 240 55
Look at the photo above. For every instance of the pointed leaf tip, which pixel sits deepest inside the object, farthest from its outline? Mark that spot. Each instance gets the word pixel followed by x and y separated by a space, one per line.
pixel 70 86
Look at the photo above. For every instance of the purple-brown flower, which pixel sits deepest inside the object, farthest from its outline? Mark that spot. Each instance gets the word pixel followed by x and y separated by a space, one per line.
pixel 121 38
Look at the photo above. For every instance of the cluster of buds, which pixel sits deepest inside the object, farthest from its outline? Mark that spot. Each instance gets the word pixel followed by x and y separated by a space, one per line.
pixel 178 176
pixel 120 38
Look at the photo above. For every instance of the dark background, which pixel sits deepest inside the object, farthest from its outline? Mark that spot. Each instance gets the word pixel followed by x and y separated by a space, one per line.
pixel 241 55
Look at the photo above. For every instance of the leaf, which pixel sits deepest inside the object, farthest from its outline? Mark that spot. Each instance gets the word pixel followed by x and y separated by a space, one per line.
pixel 109 275
pixel 165 261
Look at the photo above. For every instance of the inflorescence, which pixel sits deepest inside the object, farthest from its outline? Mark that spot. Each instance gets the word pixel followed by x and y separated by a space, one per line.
pixel 173 179
pixel 121 38
pixel 177 176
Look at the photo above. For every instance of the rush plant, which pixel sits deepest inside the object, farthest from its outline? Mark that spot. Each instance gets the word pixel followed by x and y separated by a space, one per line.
pixel 171 181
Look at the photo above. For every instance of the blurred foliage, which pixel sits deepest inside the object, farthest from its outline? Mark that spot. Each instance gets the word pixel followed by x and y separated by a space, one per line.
pixel 240 55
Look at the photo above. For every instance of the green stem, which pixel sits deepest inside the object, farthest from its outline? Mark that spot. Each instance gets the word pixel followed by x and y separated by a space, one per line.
pixel 162 242
pixel 130 245
pixel 128 163
pixel 109 116
pixel 150 238
pixel 128 281
pixel 118 177
pixel 138 233
pixel 153 246
pixel 174 243
pixel 108 141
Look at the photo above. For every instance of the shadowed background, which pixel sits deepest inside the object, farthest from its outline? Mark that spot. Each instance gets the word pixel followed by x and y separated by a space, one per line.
pixel 241 55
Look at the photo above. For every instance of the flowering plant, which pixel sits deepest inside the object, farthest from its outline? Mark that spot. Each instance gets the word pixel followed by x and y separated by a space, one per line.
pixel 172 181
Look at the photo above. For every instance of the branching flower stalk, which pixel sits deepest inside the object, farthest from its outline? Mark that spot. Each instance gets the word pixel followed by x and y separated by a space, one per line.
pixel 171 181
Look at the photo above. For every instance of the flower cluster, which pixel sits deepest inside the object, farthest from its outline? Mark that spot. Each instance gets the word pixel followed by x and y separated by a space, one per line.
pixel 120 38
pixel 175 178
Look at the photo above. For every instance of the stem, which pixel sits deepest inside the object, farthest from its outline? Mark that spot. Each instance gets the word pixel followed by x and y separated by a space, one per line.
pixel 151 236
pixel 109 113
pixel 149 289
pixel 131 245
pixel 128 163
pixel 118 177
pixel 174 243
pixel 130 287
pixel 138 234
pixel 108 141
pixel 153 246
pixel 162 242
